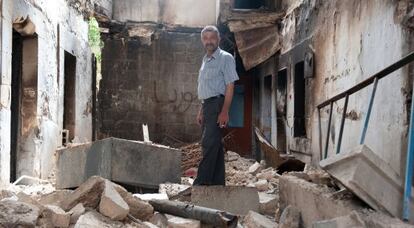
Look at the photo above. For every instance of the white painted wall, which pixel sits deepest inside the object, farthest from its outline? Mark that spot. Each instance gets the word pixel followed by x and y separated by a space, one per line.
pixel 353 40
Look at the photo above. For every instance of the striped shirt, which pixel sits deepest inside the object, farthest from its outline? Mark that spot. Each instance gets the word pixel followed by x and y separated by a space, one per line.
pixel 215 73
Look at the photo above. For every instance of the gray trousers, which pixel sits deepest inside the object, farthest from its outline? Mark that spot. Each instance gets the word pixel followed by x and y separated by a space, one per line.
pixel 211 170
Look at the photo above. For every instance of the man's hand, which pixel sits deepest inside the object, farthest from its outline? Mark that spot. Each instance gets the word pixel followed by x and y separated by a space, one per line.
pixel 200 118
pixel 223 119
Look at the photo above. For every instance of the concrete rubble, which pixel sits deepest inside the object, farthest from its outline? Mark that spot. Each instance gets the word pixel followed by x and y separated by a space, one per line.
pixel 256 220
pixel 258 195
pixel 362 172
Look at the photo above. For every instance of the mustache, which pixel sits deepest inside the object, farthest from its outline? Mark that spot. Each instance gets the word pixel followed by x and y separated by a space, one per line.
pixel 210 45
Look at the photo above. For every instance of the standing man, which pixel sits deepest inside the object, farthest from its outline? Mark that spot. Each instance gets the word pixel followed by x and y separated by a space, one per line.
pixel 215 90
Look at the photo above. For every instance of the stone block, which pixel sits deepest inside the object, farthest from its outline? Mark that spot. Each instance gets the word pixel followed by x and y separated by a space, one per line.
pixel 76 212
pixel 18 214
pixel 88 193
pixel 255 168
pixel 370 178
pixel 93 219
pixel 256 220
pixel 138 208
pixel 362 219
pixel 112 205
pixel 226 198
pixel 290 218
pixel 268 203
pixel 58 216
pixel 123 161
pixel 314 202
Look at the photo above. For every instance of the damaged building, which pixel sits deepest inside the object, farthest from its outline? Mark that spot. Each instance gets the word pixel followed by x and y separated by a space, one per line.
pixel 320 132
pixel 47 84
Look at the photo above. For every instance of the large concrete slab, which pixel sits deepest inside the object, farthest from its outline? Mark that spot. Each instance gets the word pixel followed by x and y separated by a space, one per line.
pixel 124 161
pixel 234 199
pixel 370 178
pixel 314 201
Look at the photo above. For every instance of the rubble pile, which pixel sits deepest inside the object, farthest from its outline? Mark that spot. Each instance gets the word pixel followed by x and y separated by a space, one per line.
pixel 255 196
pixel 96 203
pixel 246 172
pixel 191 156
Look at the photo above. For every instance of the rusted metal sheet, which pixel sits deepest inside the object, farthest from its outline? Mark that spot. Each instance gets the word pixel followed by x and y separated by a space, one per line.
pixel 242 20
pixel 257 45
pixel 256 34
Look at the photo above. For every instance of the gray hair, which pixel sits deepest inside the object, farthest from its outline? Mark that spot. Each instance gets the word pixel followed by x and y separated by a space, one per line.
pixel 210 28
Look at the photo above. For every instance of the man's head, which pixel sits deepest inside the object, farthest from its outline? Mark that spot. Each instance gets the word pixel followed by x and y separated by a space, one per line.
pixel 210 37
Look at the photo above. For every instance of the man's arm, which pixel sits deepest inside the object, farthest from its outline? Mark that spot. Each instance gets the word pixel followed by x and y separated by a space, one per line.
pixel 200 116
pixel 223 118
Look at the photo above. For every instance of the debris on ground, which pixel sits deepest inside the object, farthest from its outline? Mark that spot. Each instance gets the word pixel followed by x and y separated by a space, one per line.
pixel 254 196
pixel 191 156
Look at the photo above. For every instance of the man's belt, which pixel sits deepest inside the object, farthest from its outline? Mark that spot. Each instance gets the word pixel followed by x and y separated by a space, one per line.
pixel 213 98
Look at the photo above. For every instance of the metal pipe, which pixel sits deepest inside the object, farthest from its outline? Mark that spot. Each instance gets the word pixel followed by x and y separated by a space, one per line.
pixel 409 166
pixel 320 134
pixel 368 116
pixel 341 129
pixel 203 214
pixel 329 130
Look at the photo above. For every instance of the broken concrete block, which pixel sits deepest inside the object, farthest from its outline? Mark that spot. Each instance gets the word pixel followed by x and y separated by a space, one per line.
pixel 159 220
pixel 112 205
pixel 93 219
pixel 262 185
pixel 351 220
pixel 256 220
pixel 119 160
pixel 55 198
pixel 18 214
pixel 138 208
pixel 268 203
pixel 232 156
pixel 88 193
pixel 172 190
pixel 255 168
pixel 58 216
pixel 363 219
pixel 315 202
pixel 290 218
pixel 178 222
pixel 370 178
pixel 226 198
pixel 76 212
pixel 22 197
pixel 267 175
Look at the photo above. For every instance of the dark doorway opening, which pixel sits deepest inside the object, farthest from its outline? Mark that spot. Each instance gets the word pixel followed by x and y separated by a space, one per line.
pixel 249 4
pixel 24 95
pixel 266 108
pixel 281 109
pixel 69 117
pixel 299 129
pixel 17 52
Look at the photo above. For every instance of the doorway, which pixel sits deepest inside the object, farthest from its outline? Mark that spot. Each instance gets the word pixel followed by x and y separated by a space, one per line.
pixel 69 112
pixel 24 96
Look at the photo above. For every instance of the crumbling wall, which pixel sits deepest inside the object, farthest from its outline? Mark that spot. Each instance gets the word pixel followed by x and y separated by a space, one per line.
pixel 351 40
pixel 151 82
pixel 174 12
pixel 35 157
pixel 5 89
